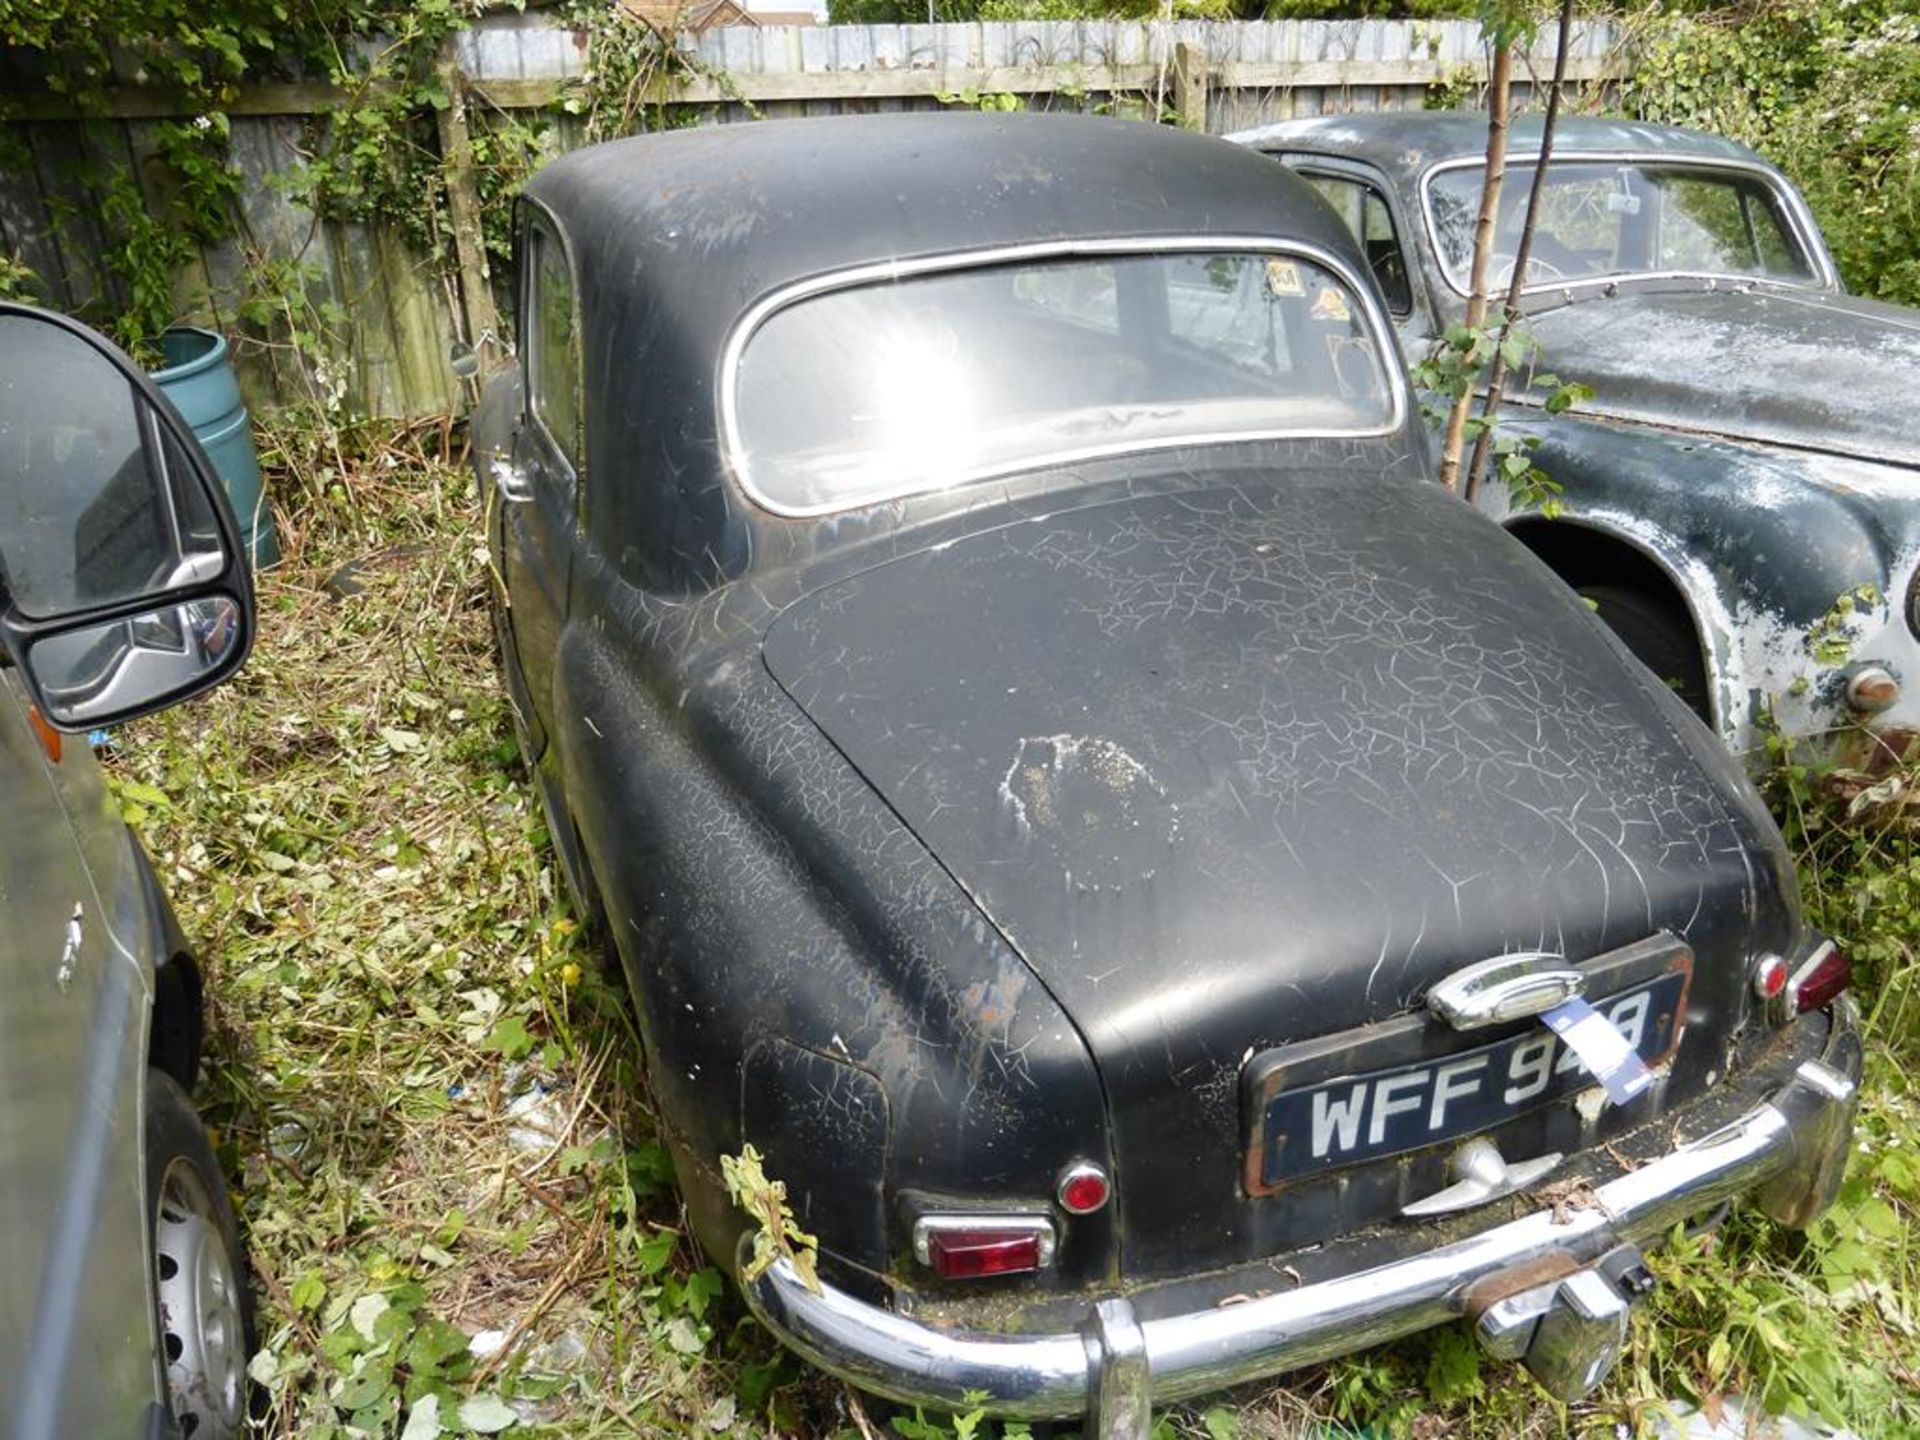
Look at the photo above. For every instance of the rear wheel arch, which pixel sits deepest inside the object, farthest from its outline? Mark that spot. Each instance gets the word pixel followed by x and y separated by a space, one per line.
pixel 1636 595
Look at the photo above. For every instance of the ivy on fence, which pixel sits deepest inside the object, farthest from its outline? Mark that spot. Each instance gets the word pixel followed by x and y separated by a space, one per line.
pixel 377 158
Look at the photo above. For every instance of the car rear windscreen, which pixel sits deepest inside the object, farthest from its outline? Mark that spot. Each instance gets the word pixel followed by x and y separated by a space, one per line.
pixel 869 391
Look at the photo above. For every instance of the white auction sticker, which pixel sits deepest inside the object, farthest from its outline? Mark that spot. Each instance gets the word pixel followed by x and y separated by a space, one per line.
pixel 1607 1053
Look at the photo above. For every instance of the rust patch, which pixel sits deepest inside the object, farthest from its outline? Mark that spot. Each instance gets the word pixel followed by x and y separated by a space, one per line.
pixel 1485 1294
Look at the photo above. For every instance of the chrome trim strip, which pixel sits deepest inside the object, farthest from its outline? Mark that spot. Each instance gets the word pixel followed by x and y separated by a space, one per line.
pixel 733 450
pixel 1787 1148
pixel 1812 244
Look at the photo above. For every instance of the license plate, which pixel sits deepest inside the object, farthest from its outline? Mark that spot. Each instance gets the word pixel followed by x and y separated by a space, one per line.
pixel 1387 1112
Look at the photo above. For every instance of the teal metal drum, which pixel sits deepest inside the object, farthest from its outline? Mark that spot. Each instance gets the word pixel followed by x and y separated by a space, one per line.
pixel 197 374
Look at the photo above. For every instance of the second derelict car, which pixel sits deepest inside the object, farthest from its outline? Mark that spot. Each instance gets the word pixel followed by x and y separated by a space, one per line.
pixel 1067 788
pixel 1749 454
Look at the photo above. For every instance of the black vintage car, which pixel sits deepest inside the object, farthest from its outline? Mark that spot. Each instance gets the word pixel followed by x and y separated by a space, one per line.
pixel 1069 790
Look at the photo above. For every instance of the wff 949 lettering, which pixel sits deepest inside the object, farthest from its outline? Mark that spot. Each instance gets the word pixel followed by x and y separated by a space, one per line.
pixel 1361 1117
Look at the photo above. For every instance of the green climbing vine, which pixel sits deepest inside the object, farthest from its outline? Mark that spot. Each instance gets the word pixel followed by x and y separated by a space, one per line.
pixel 373 159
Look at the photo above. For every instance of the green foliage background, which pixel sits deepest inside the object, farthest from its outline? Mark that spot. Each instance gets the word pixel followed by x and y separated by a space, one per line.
pixel 1830 92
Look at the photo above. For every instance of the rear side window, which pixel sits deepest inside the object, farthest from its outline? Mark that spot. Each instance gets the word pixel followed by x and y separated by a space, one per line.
pixel 1365 210
pixel 553 340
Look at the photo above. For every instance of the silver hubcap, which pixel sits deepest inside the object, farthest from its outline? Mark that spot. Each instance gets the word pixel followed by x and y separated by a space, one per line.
pixel 199 1309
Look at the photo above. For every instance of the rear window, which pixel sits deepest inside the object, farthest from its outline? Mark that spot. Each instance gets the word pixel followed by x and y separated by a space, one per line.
pixel 874 390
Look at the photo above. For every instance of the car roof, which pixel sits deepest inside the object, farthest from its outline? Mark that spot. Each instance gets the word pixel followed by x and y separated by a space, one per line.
pixel 676 236
pixel 743 208
pixel 1408 143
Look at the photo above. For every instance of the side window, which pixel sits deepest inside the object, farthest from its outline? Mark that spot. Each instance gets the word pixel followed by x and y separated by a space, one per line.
pixel 553 360
pixel 1365 210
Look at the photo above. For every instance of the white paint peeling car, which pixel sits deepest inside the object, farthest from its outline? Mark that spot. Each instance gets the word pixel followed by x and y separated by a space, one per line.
pixel 1742 493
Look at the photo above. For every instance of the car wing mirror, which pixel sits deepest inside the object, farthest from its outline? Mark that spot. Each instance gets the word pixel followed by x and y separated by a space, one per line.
pixel 125 584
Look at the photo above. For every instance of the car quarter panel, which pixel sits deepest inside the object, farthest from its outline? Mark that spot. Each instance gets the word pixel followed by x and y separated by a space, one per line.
pixel 83 934
pixel 1761 543
pixel 774 916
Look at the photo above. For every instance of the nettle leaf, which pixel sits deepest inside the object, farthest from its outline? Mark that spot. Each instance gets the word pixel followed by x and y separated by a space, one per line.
pixel 1880 1220
pixel 654 1252
pixel 703 1287
pixel 684 1336
pixel 511 1039
pixel 366 1313
pixel 423 1420
pixel 308 1292
pixel 364 1389
pixel 487 1414
pixel 435 1343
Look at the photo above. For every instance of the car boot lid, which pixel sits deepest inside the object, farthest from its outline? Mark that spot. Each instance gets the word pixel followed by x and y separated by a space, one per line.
pixel 1268 758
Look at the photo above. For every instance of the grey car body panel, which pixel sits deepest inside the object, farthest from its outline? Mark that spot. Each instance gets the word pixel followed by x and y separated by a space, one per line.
pixel 78 1358
pixel 1755 441
pixel 1782 366
pixel 96 981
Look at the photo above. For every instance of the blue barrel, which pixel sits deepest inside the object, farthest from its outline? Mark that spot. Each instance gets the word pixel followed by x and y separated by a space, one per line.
pixel 197 374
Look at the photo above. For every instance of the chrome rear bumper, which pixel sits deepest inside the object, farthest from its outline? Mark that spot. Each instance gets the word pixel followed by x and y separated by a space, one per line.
pixel 1787 1153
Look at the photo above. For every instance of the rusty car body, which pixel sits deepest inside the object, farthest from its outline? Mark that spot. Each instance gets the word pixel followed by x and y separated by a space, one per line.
pixel 1067 788
pixel 1750 455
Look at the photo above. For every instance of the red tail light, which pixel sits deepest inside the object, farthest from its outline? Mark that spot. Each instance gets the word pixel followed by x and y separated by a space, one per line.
pixel 971 1247
pixel 1824 976
pixel 967 1255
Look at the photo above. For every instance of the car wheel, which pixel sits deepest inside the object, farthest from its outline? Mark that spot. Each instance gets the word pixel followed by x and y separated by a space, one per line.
pixel 200 1275
pixel 1659 637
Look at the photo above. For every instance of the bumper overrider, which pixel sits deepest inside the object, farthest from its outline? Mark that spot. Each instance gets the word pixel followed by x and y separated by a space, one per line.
pixel 1551 1289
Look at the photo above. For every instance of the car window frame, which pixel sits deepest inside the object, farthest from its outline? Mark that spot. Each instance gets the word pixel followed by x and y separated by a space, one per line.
pixel 1361 284
pixel 1309 167
pixel 1793 209
pixel 538 226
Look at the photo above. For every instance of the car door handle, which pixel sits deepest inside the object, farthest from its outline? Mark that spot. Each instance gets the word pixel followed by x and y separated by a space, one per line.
pixel 512 482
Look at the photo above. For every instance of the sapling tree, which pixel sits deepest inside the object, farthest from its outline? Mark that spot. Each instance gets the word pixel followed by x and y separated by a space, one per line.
pixel 1506 351
pixel 1476 351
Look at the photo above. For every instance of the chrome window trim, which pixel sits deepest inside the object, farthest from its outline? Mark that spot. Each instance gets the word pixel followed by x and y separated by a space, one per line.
pixel 733 451
pixel 1799 218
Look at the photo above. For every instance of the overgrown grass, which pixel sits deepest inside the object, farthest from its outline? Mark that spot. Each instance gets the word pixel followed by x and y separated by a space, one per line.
pixel 427 1091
